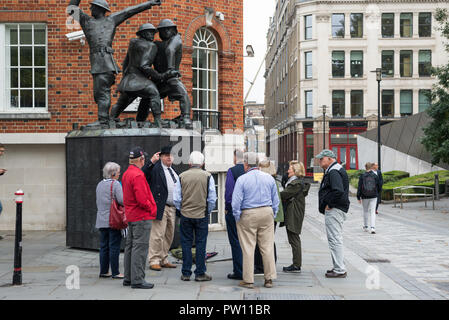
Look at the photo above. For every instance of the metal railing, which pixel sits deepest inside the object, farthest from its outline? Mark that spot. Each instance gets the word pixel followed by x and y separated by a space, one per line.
pixel 208 119
pixel 401 193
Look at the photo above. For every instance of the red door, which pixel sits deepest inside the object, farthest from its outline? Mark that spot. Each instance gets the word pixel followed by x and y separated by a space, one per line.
pixel 347 156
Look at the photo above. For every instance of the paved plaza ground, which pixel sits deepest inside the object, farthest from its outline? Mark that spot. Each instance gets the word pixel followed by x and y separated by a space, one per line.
pixel 408 259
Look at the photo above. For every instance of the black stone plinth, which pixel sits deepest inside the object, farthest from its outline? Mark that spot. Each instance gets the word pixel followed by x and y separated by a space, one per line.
pixel 88 151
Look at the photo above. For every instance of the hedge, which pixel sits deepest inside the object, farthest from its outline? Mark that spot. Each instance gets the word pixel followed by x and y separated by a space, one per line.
pixel 389 176
pixel 425 180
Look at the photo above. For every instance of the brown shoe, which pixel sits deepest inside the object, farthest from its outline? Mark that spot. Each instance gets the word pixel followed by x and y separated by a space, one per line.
pixel 155 267
pixel 246 285
pixel 268 283
pixel 168 265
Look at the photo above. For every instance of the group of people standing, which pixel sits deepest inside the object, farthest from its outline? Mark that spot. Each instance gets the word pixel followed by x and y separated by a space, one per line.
pixel 153 194
pixel 254 206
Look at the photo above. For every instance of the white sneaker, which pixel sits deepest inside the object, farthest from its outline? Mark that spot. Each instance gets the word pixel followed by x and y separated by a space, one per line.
pixel 373 231
pixel 365 228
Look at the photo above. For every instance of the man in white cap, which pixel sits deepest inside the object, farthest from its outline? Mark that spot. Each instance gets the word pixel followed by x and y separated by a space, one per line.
pixel 334 204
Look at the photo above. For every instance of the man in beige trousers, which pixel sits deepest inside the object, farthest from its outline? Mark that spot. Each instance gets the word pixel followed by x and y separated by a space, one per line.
pixel 255 203
pixel 162 178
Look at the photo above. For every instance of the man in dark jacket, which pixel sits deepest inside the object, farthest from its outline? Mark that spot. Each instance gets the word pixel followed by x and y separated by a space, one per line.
pixel 231 227
pixel 334 204
pixel 162 178
pixel 381 183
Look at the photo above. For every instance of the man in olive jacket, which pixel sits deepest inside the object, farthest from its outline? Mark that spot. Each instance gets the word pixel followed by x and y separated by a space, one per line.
pixel 294 201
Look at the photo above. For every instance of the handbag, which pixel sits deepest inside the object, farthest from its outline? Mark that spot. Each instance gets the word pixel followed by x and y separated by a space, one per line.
pixel 117 218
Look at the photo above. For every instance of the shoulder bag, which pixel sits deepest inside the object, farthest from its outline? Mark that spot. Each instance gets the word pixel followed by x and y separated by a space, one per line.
pixel 117 218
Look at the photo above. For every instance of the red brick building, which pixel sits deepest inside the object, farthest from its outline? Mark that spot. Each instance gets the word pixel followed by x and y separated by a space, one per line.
pixel 46 87
pixel 69 84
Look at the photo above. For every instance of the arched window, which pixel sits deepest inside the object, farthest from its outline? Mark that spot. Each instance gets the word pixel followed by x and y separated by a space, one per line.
pixel 205 71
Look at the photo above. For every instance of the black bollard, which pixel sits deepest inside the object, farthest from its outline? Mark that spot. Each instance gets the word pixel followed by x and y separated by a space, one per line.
pixel 17 276
pixel 437 187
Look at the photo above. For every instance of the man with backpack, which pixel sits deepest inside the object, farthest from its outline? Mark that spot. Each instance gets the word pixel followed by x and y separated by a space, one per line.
pixel 334 204
pixel 367 194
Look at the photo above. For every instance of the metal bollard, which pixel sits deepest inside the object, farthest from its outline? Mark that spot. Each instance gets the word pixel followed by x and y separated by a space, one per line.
pixel 17 276
pixel 446 188
pixel 437 187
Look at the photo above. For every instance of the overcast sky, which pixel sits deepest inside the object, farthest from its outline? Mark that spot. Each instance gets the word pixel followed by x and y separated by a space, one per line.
pixel 256 14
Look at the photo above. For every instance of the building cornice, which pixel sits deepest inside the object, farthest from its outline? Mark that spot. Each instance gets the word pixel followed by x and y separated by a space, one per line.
pixel 333 2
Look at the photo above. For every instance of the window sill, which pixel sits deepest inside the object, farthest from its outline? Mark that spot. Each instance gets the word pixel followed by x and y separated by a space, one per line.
pixel 25 116
pixel 407 38
pixel 348 38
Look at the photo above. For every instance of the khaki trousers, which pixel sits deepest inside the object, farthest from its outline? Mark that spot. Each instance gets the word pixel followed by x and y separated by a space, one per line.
pixel 256 226
pixel 161 237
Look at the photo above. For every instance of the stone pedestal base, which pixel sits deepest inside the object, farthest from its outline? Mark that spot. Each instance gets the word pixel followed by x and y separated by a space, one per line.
pixel 88 151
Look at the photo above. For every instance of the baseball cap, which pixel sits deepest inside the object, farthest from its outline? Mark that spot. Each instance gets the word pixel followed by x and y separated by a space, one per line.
pixel 137 152
pixel 326 153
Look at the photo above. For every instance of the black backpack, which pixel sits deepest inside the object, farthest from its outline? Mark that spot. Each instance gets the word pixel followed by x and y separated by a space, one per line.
pixel 369 186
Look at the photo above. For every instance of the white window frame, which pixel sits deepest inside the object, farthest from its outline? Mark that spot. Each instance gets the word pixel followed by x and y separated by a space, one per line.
pixel 197 68
pixel 220 211
pixel 5 100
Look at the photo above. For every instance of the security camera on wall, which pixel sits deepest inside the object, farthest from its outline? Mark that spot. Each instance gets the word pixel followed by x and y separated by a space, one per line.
pixel 220 16
pixel 77 35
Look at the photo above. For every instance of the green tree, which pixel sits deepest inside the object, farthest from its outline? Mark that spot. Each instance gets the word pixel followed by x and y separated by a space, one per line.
pixel 436 133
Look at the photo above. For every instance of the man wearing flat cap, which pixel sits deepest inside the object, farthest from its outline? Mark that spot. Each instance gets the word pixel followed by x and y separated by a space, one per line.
pixel 334 204
pixel 140 209
pixel 162 178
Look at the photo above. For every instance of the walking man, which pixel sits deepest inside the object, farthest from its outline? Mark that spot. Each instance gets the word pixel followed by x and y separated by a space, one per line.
pixel 162 179
pixel 100 31
pixel 140 209
pixel 255 203
pixel 367 194
pixel 195 198
pixel 334 204
pixel 2 172
pixel 381 183
pixel 231 177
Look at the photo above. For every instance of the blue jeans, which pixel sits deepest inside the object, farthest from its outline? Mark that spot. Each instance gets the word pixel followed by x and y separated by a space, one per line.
pixel 110 241
pixel 199 229
pixel 236 250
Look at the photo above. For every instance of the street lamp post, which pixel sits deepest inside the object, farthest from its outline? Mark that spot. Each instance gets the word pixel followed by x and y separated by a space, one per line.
pixel 378 72
pixel 379 79
pixel 324 107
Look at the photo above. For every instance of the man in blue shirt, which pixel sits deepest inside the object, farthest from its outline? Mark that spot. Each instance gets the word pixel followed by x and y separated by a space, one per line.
pixel 255 203
pixel 195 197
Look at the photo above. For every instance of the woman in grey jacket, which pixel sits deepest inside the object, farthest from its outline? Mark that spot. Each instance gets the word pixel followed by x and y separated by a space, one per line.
pixel 110 239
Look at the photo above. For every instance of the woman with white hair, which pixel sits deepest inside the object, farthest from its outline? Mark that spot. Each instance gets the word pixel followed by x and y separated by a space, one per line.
pixel 107 189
